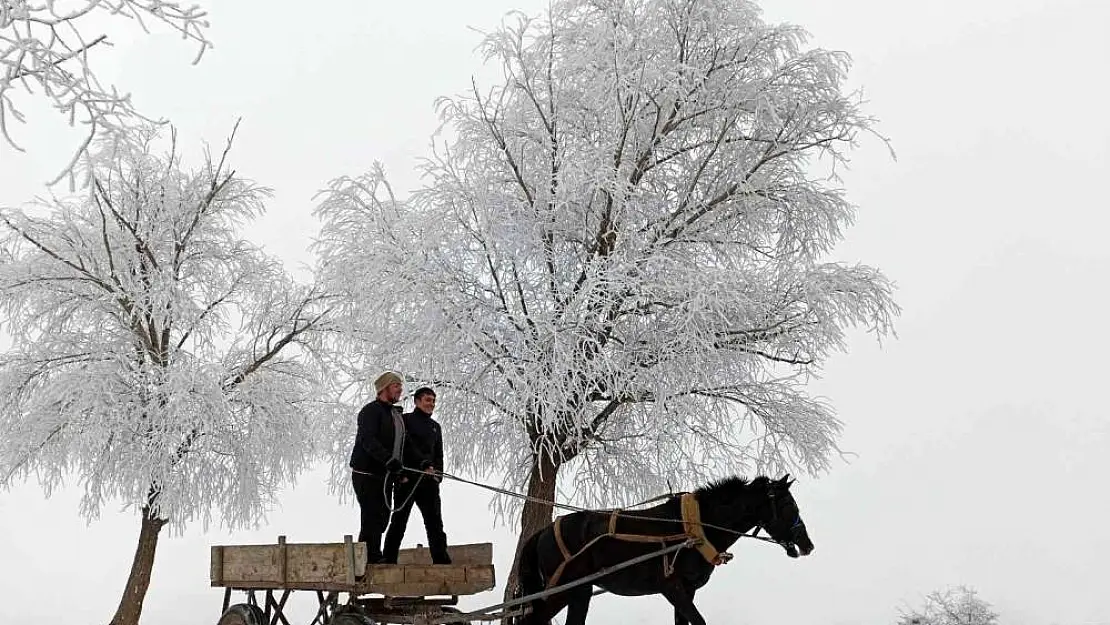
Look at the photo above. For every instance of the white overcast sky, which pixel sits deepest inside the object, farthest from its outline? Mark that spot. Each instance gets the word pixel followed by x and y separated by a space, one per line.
pixel 979 436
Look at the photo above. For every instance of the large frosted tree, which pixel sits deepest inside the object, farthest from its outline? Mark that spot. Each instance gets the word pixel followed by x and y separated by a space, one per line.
pixel 47 48
pixel 616 270
pixel 158 356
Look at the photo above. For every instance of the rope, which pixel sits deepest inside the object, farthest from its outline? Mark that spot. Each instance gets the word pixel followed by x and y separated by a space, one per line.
pixel 412 493
pixel 387 492
pixel 564 506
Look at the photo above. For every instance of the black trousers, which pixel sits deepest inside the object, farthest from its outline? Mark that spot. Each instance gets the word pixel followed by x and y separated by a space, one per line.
pixel 424 494
pixel 371 493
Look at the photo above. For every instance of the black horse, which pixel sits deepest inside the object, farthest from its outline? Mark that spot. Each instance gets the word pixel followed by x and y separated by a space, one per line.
pixel 594 541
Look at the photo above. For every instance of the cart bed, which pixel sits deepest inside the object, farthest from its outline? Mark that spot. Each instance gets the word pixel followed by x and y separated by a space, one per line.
pixel 341 567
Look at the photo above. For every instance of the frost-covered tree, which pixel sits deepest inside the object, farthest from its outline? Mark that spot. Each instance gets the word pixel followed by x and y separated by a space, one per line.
pixel 47 46
pixel 952 606
pixel 158 356
pixel 616 271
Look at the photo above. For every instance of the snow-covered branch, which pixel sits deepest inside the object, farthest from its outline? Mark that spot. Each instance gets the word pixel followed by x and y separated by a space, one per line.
pixel 47 45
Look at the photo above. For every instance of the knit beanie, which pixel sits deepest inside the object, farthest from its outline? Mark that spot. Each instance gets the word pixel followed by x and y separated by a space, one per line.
pixel 385 380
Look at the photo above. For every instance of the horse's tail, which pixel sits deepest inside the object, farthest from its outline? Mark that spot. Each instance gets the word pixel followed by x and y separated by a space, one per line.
pixel 530 580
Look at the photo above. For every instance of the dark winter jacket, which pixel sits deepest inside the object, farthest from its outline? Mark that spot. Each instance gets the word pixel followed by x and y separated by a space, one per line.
pixel 374 440
pixel 423 441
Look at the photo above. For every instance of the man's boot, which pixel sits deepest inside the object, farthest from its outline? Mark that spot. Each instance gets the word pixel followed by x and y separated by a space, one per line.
pixel 373 548
pixel 438 546
pixel 392 548
pixel 373 554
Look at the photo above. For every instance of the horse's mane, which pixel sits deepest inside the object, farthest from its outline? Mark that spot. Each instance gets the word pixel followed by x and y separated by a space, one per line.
pixel 732 485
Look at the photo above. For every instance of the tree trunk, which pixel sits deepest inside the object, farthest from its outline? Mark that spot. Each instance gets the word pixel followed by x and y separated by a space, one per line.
pixel 536 513
pixel 131 605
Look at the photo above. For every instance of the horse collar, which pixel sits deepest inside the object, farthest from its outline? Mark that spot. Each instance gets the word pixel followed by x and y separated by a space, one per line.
pixel 691 524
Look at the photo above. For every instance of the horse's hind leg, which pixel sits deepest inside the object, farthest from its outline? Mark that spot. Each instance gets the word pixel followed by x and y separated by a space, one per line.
pixel 578 603
pixel 683 601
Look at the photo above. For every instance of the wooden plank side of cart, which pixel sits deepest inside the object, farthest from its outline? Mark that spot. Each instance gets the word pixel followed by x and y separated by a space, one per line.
pixel 334 566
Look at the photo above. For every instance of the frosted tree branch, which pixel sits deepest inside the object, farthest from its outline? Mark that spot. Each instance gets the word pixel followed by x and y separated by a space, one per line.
pixel 47 45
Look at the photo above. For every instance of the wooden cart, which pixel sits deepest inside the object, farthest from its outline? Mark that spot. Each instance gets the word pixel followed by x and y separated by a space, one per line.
pixel 412 591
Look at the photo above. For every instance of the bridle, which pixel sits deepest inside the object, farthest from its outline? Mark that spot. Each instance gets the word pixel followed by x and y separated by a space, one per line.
pixel 798 523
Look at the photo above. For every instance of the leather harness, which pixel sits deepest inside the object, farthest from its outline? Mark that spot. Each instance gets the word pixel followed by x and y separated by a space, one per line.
pixel 691 530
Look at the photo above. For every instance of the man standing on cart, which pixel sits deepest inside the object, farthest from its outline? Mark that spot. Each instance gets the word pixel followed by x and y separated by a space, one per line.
pixel 422 449
pixel 376 460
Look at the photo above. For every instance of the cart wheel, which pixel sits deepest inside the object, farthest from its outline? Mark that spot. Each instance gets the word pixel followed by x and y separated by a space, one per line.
pixel 351 618
pixel 242 614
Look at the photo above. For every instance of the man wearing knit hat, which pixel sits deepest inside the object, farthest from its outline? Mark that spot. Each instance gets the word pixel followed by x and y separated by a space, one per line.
pixel 376 460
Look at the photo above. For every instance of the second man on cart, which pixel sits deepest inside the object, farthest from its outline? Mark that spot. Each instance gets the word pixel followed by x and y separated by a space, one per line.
pixel 422 449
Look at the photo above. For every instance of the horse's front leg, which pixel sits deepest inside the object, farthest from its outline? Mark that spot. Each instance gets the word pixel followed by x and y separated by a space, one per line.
pixel 578 604
pixel 682 599
pixel 546 609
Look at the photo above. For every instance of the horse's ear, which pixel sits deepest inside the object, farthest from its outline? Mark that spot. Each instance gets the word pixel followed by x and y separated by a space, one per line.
pixel 785 481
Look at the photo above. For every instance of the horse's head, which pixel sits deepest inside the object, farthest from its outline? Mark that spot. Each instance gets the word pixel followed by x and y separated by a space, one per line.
pixel 782 520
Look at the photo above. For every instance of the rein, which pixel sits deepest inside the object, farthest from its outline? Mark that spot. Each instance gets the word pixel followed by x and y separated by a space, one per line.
pixel 626 515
